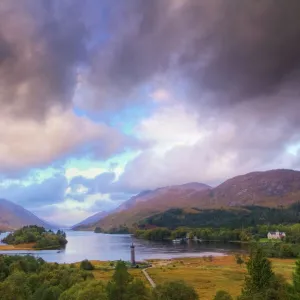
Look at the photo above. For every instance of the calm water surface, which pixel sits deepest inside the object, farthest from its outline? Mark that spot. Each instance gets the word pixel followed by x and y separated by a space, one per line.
pixel 96 246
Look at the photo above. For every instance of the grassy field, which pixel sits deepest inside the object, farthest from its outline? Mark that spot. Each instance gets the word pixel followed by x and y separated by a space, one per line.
pixel 104 271
pixel 207 277
pixel 266 240
pixel 17 247
pixel 106 275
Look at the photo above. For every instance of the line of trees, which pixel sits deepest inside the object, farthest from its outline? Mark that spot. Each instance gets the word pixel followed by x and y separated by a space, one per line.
pixel 246 216
pixel 122 229
pixel 27 278
pixel 289 247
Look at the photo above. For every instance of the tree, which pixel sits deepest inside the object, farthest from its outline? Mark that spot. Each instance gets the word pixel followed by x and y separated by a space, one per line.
pixel 260 274
pixel 38 235
pixel 15 287
pixel 47 293
pixel 98 230
pixel 295 292
pixel 222 295
pixel 94 290
pixel 245 236
pixel 117 287
pixel 278 289
pixel 137 290
pixel 239 259
pixel 176 290
pixel 71 293
pixel 86 265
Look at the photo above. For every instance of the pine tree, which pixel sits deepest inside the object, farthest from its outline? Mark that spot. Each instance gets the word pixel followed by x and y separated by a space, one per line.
pixel 239 259
pixel 117 288
pixel 260 274
pixel 137 291
pixel 295 293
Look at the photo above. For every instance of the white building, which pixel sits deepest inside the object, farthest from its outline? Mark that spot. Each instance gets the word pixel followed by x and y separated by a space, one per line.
pixel 276 235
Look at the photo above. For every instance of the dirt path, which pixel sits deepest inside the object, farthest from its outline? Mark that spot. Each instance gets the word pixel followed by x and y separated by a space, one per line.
pixel 152 283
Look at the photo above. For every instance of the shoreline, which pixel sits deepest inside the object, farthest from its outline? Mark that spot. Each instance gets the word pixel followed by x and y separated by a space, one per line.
pixel 6 247
pixel 25 247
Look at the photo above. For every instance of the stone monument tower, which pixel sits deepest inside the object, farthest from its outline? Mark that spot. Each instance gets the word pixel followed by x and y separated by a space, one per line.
pixel 132 248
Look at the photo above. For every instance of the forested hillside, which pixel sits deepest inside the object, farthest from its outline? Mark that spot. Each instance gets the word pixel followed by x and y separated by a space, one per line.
pixel 233 217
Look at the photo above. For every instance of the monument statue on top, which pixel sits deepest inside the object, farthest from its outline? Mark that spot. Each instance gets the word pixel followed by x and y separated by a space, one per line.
pixel 132 248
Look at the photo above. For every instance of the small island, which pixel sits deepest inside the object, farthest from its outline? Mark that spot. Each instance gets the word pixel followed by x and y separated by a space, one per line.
pixel 34 237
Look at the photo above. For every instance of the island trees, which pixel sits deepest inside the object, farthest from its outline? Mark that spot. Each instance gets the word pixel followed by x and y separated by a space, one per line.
pixel 39 236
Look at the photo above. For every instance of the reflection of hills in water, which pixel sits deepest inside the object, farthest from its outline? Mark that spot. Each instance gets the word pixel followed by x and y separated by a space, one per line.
pixel 190 247
pixel 93 246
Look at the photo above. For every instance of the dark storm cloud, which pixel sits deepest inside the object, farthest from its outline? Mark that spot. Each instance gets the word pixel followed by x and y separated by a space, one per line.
pixel 233 50
pixel 41 44
pixel 237 50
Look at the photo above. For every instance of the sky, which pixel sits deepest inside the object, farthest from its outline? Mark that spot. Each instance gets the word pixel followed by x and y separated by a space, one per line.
pixel 103 99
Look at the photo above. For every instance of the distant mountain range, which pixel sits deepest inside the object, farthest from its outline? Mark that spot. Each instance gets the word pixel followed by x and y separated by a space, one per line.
pixel 270 189
pixel 92 219
pixel 13 216
pixel 176 191
pixel 275 188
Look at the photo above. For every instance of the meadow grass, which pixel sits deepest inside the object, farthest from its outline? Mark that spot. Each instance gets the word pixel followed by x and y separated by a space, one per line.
pixel 223 273
pixel 207 277
pixel 6 247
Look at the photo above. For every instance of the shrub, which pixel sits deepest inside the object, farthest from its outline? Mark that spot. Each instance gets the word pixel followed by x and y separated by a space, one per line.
pixel 86 265
pixel 222 295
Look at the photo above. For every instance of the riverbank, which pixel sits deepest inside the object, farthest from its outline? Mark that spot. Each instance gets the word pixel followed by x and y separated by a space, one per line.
pixel 30 246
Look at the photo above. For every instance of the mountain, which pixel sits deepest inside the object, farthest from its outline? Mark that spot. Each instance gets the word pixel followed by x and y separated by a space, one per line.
pixel 272 188
pixel 177 191
pixel 269 188
pixel 275 188
pixel 141 202
pixel 148 203
pixel 13 216
pixel 92 219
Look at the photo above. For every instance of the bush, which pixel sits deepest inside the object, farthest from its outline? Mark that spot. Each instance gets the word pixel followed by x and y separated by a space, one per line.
pixel 222 295
pixel 178 290
pixel 86 265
